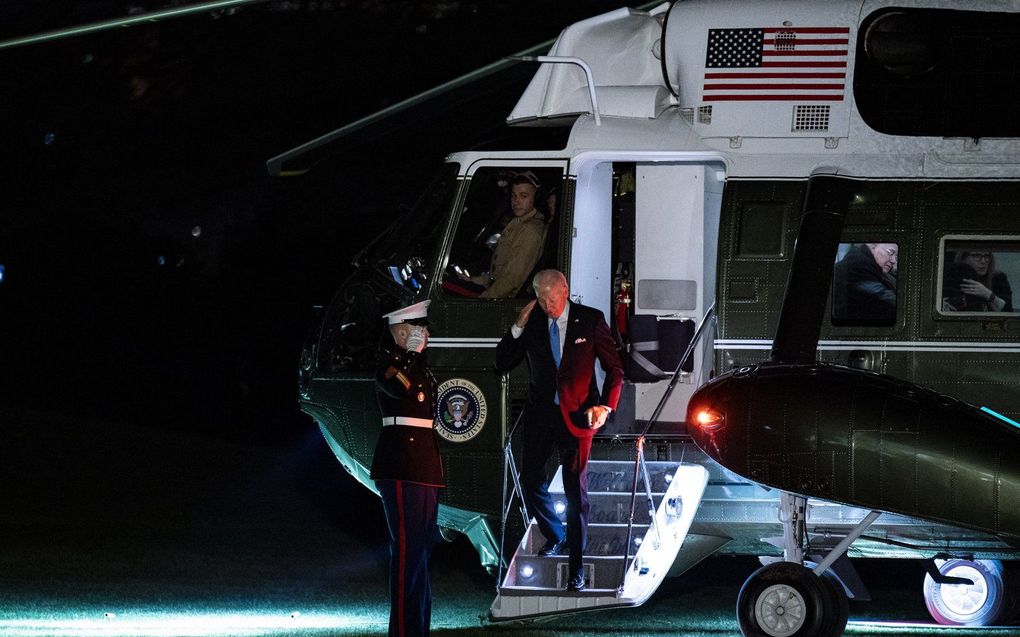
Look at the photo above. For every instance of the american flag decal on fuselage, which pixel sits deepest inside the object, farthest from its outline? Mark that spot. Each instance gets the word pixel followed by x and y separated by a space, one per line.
pixel 776 64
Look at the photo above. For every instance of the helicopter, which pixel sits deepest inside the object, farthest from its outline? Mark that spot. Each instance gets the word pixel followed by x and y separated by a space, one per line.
pixel 801 220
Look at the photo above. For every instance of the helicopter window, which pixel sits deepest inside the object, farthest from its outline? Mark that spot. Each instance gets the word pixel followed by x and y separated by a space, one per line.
pixel 975 275
pixel 506 232
pixel 406 251
pixel 939 72
pixel 864 284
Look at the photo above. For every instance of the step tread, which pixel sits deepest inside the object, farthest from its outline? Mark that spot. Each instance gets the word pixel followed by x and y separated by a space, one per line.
pixel 564 557
pixel 555 592
pixel 641 494
pixel 630 463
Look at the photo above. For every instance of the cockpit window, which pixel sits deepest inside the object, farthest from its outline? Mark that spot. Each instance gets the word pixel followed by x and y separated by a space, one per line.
pixel 864 284
pixel 506 232
pixel 408 249
pixel 975 274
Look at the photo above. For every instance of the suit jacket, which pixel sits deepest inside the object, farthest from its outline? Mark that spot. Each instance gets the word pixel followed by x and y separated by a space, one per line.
pixel 861 291
pixel 587 338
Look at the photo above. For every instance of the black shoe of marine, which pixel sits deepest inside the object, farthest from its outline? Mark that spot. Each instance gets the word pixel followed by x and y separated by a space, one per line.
pixel 552 547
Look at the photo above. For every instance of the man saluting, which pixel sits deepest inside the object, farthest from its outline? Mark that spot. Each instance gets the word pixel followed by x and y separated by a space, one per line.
pixel 406 466
pixel 564 407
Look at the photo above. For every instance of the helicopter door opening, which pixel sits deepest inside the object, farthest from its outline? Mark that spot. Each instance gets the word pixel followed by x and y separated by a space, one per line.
pixel 664 232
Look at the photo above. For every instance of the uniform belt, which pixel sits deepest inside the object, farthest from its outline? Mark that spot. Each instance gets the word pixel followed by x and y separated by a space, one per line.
pixel 406 420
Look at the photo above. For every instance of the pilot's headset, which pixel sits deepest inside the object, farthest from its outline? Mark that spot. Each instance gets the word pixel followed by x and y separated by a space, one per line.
pixel 541 192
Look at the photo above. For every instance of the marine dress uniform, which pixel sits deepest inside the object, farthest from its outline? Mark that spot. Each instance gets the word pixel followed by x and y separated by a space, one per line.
pixel 408 472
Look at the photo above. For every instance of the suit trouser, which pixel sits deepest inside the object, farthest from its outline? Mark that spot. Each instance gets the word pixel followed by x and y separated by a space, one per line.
pixel 411 510
pixel 544 432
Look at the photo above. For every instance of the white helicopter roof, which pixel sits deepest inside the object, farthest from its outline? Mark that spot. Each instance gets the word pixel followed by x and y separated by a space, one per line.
pixel 767 84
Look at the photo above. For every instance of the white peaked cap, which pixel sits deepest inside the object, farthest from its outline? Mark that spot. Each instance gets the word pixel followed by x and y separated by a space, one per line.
pixel 419 310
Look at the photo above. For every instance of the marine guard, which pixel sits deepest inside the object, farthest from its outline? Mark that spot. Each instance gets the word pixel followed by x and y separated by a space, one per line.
pixel 406 466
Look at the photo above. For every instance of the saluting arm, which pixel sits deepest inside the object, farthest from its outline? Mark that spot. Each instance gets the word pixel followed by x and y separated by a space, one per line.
pixel 510 350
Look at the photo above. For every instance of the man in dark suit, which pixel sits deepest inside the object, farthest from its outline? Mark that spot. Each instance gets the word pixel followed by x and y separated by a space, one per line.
pixel 564 407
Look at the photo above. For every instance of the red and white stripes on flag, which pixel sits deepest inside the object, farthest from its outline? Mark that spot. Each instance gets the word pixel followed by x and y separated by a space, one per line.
pixel 801 64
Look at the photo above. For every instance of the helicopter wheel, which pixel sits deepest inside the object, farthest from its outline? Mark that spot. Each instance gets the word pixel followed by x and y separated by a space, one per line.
pixel 838 612
pixel 984 603
pixel 785 599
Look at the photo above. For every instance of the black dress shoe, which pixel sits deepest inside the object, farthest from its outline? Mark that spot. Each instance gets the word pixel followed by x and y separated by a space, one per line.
pixel 552 547
pixel 576 583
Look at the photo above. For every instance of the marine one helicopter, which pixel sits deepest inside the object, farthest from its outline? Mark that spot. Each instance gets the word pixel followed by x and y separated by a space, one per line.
pixel 802 218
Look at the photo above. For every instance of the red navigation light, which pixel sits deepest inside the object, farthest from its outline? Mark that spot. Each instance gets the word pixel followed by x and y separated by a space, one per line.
pixel 708 419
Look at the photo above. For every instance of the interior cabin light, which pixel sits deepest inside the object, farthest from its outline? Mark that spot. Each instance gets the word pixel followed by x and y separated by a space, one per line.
pixel 527 571
pixel 708 419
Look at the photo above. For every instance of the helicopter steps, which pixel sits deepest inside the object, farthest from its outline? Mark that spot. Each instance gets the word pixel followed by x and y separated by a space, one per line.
pixel 534 585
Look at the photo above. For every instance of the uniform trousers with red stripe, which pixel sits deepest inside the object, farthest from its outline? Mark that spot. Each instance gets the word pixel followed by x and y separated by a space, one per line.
pixel 411 510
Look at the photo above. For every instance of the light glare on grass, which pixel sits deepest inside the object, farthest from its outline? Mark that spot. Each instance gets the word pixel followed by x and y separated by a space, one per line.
pixel 207 624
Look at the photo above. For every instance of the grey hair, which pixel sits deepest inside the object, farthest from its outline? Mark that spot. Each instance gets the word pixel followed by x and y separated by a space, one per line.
pixel 548 278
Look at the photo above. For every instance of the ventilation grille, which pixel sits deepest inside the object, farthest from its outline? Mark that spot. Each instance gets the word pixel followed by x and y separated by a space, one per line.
pixel 811 117
pixel 786 41
pixel 704 114
pixel 688 115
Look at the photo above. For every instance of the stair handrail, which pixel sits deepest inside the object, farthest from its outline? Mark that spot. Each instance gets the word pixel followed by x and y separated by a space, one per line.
pixel 509 468
pixel 649 501
pixel 639 460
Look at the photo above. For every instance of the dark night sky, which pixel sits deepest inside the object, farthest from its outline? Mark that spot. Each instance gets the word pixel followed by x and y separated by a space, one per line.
pixel 149 260
pixel 158 284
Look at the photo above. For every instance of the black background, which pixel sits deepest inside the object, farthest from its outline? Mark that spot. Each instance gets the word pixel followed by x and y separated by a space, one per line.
pixel 158 284
pixel 150 262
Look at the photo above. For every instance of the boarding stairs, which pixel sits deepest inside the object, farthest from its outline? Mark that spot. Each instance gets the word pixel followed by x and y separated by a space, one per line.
pixel 534 585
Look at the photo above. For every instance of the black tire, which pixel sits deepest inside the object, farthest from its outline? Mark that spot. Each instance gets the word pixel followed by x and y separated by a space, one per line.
pixel 785 600
pixel 986 602
pixel 837 612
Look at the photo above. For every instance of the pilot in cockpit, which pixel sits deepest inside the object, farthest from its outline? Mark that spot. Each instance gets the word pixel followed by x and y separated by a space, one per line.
pixel 520 244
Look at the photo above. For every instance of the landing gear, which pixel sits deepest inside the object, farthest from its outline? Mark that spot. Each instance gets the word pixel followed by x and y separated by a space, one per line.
pixel 788 599
pixel 785 599
pixel 984 603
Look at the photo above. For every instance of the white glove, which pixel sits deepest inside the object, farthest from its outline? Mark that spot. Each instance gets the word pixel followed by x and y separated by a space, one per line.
pixel 416 339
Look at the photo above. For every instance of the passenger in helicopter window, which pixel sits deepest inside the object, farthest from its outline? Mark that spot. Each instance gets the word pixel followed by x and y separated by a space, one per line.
pixel 548 256
pixel 971 283
pixel 520 244
pixel 551 202
pixel 864 285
